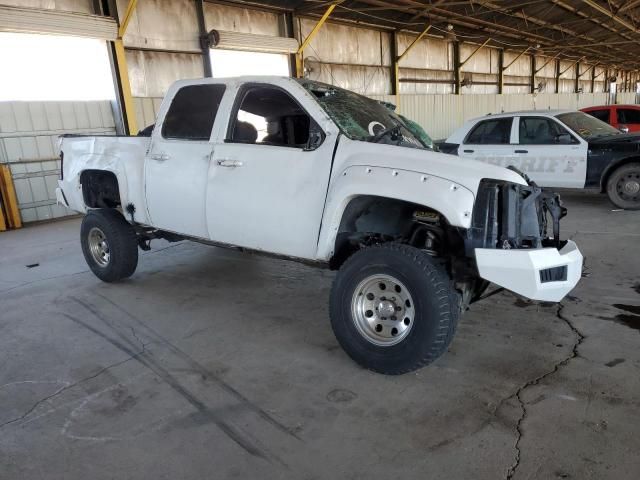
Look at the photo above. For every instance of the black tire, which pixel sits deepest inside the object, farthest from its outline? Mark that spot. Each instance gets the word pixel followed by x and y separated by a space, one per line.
pixel 121 243
pixel 626 174
pixel 436 312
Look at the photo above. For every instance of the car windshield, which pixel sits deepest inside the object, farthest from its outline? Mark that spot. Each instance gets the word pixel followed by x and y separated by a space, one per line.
pixel 365 119
pixel 587 126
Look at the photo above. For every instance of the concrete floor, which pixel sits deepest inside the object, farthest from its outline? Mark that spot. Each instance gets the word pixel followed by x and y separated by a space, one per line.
pixel 209 363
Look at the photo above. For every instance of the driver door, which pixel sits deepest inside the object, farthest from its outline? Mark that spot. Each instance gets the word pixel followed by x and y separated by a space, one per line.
pixel 549 153
pixel 269 176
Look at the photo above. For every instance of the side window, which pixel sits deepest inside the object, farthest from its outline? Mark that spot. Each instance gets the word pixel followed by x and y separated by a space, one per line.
pixel 269 116
pixel 192 112
pixel 628 115
pixel 540 131
pixel 491 132
pixel 600 114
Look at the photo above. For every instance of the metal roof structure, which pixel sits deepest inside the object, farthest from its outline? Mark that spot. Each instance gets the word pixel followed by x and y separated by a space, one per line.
pixel 602 31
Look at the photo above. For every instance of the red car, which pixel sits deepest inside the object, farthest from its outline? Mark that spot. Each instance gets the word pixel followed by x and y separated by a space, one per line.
pixel 618 116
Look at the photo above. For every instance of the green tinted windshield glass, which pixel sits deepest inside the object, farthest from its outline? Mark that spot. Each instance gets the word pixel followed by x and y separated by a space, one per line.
pixel 587 126
pixel 362 118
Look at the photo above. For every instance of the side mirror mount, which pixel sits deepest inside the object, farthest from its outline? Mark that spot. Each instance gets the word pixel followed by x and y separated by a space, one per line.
pixel 563 139
pixel 316 137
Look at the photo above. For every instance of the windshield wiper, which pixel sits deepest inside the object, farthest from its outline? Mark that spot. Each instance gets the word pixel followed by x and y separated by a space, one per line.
pixel 378 136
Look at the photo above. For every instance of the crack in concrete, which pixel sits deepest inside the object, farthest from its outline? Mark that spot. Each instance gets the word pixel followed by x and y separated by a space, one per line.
pixel 142 344
pixel 579 338
pixel 67 387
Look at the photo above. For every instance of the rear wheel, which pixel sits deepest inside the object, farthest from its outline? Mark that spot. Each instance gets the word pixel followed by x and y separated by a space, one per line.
pixel 393 309
pixel 623 186
pixel 109 245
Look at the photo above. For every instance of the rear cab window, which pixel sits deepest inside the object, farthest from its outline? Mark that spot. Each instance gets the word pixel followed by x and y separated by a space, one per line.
pixel 495 131
pixel 192 112
pixel 602 114
pixel 628 115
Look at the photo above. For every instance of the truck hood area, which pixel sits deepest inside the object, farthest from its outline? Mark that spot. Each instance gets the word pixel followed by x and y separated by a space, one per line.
pixel 465 172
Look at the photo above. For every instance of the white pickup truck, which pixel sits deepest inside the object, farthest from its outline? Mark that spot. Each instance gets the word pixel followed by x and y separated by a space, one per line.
pixel 314 173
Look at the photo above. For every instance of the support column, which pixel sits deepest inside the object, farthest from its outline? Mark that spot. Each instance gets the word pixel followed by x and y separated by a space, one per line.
pixel 501 71
pixel 395 69
pixel 289 22
pixel 533 74
pixel 557 76
pixel 206 51
pixel 576 86
pixel 129 111
pixel 456 68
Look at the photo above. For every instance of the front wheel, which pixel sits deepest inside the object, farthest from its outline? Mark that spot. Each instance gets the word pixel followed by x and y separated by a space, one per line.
pixel 623 186
pixel 109 244
pixel 393 308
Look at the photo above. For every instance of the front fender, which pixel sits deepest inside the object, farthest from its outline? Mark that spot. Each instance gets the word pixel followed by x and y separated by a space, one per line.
pixel 449 198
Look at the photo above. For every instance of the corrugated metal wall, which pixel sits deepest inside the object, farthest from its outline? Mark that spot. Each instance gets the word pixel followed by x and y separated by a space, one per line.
pixel 28 143
pixel 146 110
pixel 440 115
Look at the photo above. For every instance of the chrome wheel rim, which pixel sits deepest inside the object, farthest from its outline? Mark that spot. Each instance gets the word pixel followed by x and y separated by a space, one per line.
pixel 99 247
pixel 382 310
pixel 628 186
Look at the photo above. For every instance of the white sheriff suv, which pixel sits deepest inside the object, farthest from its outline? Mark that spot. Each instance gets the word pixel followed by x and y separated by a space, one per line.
pixel 317 174
pixel 556 148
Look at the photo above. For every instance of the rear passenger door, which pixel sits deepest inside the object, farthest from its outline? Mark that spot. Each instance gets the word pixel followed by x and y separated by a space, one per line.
pixel 629 117
pixel 550 154
pixel 177 162
pixel 489 141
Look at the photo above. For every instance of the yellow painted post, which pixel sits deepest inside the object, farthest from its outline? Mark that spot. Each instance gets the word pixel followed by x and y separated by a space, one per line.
pixel 9 199
pixel 127 97
pixel 305 43
pixel 123 71
pixel 3 223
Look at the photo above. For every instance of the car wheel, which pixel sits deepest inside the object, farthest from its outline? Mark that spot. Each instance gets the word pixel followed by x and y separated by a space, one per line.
pixel 393 308
pixel 109 244
pixel 623 186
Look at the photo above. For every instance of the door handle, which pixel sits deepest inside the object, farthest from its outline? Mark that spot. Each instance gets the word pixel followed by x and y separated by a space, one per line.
pixel 229 163
pixel 468 151
pixel 160 157
pixel 521 151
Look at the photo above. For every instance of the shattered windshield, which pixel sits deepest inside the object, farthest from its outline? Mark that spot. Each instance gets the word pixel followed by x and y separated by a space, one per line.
pixel 365 119
pixel 586 126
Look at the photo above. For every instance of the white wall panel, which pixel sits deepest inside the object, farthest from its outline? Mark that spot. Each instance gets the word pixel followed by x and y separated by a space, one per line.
pixel 146 110
pixel 28 142
pixel 238 19
pixel 151 73
pixel 162 24
pixel 626 98
pixel 429 53
pixel 440 115
pixel 484 61
pixel 336 43
pixel 80 6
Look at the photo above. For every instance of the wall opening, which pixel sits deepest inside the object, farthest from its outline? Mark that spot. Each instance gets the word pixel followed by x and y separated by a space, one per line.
pixel 54 68
pixel 233 63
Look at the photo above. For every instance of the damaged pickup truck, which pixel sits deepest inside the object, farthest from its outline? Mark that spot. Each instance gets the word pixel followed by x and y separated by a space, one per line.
pixel 314 173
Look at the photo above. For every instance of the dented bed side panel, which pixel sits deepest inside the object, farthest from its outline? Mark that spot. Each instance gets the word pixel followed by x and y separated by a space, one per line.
pixel 123 156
